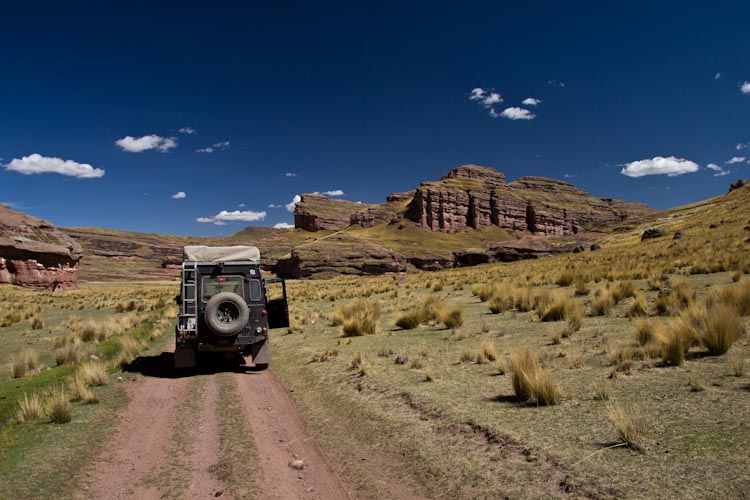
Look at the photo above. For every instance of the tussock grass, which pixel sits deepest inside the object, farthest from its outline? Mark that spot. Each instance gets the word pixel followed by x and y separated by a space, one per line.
pixel 736 296
pixel 451 316
pixel 79 390
pixel 358 364
pixel 357 318
pixel 29 408
pixel 630 426
pixel 94 374
pixel 129 350
pixel 57 406
pixel 602 303
pixel 581 288
pixel 673 346
pixel 486 353
pixel 639 306
pixel 323 356
pixel 721 327
pixel 68 354
pixel 620 290
pixel 530 382
pixel 565 278
pixel 28 359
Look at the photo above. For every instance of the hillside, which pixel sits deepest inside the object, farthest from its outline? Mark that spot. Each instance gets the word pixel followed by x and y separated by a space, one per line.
pixel 471 215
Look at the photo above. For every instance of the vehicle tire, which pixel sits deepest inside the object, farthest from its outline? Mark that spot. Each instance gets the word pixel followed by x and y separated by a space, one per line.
pixel 226 313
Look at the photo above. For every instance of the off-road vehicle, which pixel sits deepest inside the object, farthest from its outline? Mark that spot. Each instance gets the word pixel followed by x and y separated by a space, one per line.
pixel 224 306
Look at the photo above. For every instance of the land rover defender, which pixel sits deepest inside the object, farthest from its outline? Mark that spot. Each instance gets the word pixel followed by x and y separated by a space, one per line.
pixel 225 307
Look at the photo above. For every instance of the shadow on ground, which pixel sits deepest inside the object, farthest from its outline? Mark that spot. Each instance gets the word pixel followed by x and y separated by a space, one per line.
pixel 162 366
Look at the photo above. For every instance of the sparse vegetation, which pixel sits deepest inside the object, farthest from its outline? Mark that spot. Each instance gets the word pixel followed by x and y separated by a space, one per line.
pixel 530 382
pixel 629 424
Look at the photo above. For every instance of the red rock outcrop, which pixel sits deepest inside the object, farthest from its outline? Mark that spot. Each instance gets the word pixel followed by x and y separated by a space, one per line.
pixel 315 212
pixel 35 254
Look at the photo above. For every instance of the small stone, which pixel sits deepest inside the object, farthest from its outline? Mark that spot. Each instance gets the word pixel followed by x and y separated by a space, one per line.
pixel 93 357
pixel 401 359
pixel 297 464
pixel 119 379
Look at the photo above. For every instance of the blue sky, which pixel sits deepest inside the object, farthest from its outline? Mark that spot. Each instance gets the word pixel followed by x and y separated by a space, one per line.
pixel 242 106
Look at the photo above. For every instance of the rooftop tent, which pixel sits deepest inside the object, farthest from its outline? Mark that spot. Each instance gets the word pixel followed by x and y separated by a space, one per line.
pixel 202 253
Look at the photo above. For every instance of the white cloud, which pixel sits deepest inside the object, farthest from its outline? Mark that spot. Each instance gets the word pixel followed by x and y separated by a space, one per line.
pixel 735 159
pixel 224 216
pixel 531 101
pixel 219 146
pixel 179 195
pixel 273 205
pixel 147 142
pixel 290 206
pixel 742 146
pixel 188 131
pixel 241 205
pixel 555 83
pixel 334 192
pixel 717 76
pixel 38 164
pixel 290 174
pixel 658 165
pixel 716 168
pixel 570 176
pixel 517 114
pixel 283 225
pixel 493 113
pixel 486 97
pixel 745 88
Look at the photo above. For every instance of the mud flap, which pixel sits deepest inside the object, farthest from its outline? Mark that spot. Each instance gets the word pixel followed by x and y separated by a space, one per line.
pixel 261 353
pixel 184 358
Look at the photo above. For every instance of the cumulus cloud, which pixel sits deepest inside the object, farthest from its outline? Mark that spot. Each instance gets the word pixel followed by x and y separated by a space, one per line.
pixel 745 88
pixel 531 101
pixel 658 165
pixel 38 164
pixel 290 206
pixel 147 142
pixel 283 225
pixel 735 159
pixel 334 192
pixel 514 113
pixel 719 171
pixel 290 174
pixel 717 76
pixel 555 83
pixel 570 176
pixel 486 97
pixel 188 131
pixel 219 146
pixel 179 195
pixel 225 216
pixel 742 145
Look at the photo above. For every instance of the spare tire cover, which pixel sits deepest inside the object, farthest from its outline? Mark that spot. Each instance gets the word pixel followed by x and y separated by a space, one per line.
pixel 226 313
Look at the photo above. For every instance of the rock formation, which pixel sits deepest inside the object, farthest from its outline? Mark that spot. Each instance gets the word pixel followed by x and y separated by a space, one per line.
pixel 35 254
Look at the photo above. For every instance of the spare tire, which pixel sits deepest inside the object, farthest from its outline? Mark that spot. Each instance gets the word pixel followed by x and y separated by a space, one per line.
pixel 226 313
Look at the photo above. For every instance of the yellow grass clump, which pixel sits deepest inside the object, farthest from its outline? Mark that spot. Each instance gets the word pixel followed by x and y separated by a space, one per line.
pixel 530 382
pixel 630 426
pixel 29 408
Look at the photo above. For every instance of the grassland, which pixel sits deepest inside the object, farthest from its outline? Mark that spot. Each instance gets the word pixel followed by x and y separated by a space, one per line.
pixel 67 348
pixel 630 419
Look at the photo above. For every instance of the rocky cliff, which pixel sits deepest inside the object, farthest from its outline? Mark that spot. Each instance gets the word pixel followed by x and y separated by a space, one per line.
pixel 35 254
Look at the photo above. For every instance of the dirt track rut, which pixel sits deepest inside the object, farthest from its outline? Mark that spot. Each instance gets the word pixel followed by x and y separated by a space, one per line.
pixel 168 443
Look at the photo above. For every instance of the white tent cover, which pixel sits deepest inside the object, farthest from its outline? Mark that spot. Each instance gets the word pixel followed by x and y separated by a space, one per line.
pixel 201 253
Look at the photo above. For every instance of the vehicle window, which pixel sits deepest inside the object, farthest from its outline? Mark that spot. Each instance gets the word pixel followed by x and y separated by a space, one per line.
pixel 213 285
pixel 255 294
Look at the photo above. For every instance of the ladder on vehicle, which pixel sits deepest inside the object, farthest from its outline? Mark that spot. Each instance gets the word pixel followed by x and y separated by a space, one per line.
pixel 188 307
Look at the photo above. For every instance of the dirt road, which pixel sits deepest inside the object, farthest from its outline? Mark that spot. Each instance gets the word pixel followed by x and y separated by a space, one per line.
pixel 223 434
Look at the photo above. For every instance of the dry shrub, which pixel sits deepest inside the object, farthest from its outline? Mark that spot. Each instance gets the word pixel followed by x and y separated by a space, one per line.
pixel 451 316
pixel 639 306
pixel 648 330
pixel 10 317
pixel 467 355
pixel 552 306
pixel 721 326
pixel 530 382
pixel 68 354
pixel 629 424
pixel 358 364
pixel 79 391
pixel 500 303
pixel 736 275
pixel 486 353
pixel 673 346
pixel 358 317
pixel 602 391
pixel 129 350
pixel 29 408
pixel 323 356
pixel 57 406
pixel 621 290
pixel 602 303
pixel 410 319
pixel 37 323
pixel 565 278
pixel 94 374
pixel 736 296
pixel 739 366
pixel 27 360
pixel 580 286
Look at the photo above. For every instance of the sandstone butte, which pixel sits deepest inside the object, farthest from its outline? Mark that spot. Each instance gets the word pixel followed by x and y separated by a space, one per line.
pixel 471 215
pixel 35 254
